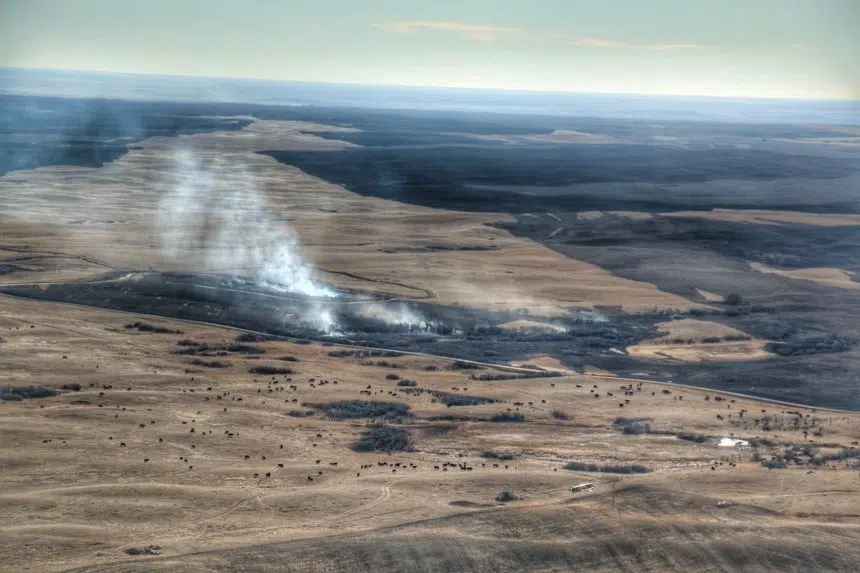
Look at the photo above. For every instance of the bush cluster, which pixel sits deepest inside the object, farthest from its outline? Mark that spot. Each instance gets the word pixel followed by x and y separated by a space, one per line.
pixel 254 337
pixel 611 469
pixel 463 365
pixel 514 417
pixel 146 327
pixel 365 354
pixel 450 399
pixel 632 427
pixel 497 456
pixel 383 438
pixel 300 413
pixel 353 409
pixel 270 370
pixel 192 347
pixel 12 394
pixel 210 363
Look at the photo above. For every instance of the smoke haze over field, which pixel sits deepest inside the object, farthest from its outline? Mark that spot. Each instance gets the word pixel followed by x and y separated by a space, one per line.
pixel 215 205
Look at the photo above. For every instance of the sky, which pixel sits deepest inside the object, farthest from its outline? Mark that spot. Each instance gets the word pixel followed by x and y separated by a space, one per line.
pixel 740 48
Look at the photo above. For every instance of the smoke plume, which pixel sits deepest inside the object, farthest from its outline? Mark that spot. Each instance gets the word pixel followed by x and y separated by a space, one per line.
pixel 213 207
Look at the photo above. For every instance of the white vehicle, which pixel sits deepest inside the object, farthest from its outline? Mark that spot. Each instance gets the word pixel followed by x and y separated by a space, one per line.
pixel 582 487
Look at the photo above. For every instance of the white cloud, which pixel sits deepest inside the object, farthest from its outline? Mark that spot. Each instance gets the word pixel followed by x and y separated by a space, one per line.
pixel 604 43
pixel 477 32
pixel 488 33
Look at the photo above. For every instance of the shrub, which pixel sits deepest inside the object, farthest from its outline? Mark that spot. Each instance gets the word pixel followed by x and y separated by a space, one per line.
pixel 383 438
pixel 146 327
pixel 254 337
pixel 74 387
pixel 497 456
pixel 636 429
pixel 506 495
pixel 210 363
pixel 776 463
pixel 559 415
pixel 148 550
pixel 289 359
pixel 11 394
pixel 698 438
pixel 406 382
pixel 244 349
pixel 392 377
pixel 431 368
pixel 524 376
pixel 270 370
pixel 365 353
pixel 380 363
pixel 451 399
pixel 632 427
pixel 512 417
pixel 612 469
pixel 463 365
pixel 811 345
pixel 452 418
pixel 192 347
pixel 300 413
pixel 352 409
pixel 733 299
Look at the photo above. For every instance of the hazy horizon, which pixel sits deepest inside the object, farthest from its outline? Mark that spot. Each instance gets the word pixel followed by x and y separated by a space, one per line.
pixel 803 49
pixel 656 95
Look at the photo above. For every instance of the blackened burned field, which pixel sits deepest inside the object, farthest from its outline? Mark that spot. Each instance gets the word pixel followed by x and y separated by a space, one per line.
pixel 355 317
pixel 520 164
pixel 813 362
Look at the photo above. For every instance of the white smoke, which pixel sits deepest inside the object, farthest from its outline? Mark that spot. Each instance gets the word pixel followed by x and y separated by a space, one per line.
pixel 589 315
pixel 398 315
pixel 215 208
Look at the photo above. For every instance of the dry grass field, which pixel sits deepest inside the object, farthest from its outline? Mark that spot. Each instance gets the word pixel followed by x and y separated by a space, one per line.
pixel 107 214
pixel 170 445
pixel 208 465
